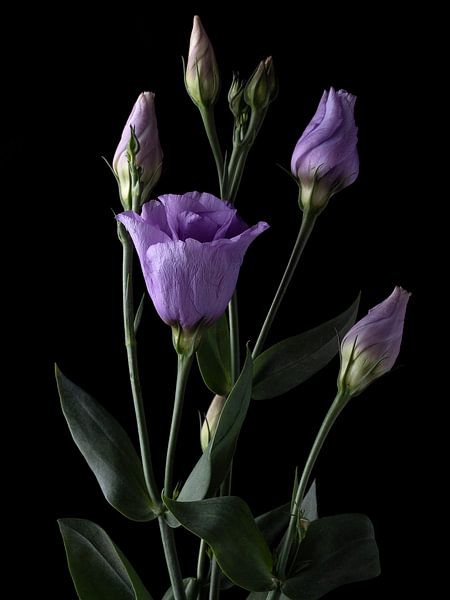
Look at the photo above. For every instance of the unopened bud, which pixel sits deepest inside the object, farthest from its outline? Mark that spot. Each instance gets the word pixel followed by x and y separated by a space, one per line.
pixel 212 418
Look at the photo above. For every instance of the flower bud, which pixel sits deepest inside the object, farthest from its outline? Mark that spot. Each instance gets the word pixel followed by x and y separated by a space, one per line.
pixel 372 345
pixel 262 87
pixel 236 97
pixel 139 154
pixel 202 77
pixel 325 159
pixel 212 418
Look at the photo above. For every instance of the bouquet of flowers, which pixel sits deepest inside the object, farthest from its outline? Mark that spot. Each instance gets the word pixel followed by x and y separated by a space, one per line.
pixel 190 248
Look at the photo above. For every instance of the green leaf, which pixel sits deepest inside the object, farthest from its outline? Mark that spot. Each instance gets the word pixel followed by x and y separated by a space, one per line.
pixel 274 522
pixel 336 550
pixel 214 359
pixel 213 465
pixel 99 569
pixel 228 527
pixel 190 587
pixel 139 312
pixel 289 363
pixel 108 451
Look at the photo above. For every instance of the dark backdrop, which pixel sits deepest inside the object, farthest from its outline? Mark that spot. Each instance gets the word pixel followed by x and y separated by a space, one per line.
pixel 93 66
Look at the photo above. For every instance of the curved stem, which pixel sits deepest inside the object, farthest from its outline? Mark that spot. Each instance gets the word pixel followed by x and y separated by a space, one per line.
pixel 184 367
pixel 173 565
pixel 306 228
pixel 201 563
pixel 214 582
pixel 209 123
pixel 339 402
pixel 131 347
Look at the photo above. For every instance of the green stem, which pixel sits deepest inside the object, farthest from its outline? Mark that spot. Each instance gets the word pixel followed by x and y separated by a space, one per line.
pixel 184 367
pixel 214 582
pixel 173 565
pixel 306 228
pixel 339 402
pixel 131 347
pixel 234 338
pixel 209 123
pixel 201 564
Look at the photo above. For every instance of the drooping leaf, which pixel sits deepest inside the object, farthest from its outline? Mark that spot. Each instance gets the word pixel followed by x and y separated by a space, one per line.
pixel 292 361
pixel 190 587
pixel 215 461
pixel 107 449
pixel 228 527
pixel 336 551
pixel 214 358
pixel 99 569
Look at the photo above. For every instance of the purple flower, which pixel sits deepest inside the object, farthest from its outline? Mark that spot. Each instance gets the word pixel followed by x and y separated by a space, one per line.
pixel 325 159
pixel 191 248
pixel 371 347
pixel 148 158
pixel 202 77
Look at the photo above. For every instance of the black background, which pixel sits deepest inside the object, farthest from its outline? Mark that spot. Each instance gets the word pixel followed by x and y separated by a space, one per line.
pixel 91 67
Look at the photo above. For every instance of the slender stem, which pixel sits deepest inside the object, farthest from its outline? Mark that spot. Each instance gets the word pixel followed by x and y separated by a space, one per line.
pixel 238 172
pixel 184 367
pixel 234 338
pixel 209 123
pixel 214 582
pixel 173 565
pixel 306 228
pixel 339 402
pixel 201 563
pixel 131 347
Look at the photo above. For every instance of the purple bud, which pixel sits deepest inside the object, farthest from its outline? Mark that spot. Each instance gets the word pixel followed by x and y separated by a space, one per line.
pixel 149 156
pixel 325 159
pixel 371 347
pixel 191 248
pixel 211 420
pixel 202 77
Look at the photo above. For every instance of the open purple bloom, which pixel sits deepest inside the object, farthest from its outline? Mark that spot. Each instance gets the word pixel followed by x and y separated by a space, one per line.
pixel 371 347
pixel 149 157
pixel 325 159
pixel 191 248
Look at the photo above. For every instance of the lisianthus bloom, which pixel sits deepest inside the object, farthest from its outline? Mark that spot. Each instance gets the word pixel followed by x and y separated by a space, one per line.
pixel 202 73
pixel 191 248
pixel 149 156
pixel 325 159
pixel 371 347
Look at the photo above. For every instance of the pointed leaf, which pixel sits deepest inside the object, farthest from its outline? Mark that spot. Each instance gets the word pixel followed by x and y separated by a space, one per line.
pixel 214 358
pixel 213 465
pixel 228 527
pixel 289 363
pixel 99 570
pixel 108 451
pixel 336 550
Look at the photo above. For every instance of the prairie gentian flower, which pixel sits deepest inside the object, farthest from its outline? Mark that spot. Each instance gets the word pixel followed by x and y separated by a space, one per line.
pixel 202 77
pixel 371 347
pixel 325 159
pixel 211 420
pixel 148 156
pixel 191 248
